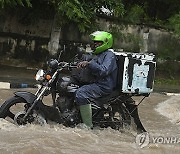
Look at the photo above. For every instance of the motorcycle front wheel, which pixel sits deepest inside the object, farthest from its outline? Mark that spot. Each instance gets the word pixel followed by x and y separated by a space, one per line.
pixel 14 110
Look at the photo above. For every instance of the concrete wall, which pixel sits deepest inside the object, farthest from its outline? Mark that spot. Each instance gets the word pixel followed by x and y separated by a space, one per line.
pixel 141 38
pixel 18 40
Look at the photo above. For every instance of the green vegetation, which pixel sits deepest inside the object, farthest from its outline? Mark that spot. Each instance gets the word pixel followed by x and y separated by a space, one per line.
pixel 167 72
pixel 4 3
pixel 162 81
pixel 84 13
pixel 174 23
pixel 135 14
pixel 164 13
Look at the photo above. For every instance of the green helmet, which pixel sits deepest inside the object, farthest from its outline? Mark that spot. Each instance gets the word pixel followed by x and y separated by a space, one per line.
pixel 104 37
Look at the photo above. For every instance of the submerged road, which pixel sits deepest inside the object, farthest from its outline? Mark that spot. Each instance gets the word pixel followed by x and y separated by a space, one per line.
pixel 159 114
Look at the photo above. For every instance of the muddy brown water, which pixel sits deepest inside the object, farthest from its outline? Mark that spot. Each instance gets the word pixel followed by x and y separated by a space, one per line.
pixel 159 114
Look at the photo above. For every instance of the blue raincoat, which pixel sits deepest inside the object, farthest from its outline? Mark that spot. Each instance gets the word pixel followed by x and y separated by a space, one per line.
pixel 105 68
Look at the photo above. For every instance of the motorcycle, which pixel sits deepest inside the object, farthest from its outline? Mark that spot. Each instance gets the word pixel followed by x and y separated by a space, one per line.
pixel 117 110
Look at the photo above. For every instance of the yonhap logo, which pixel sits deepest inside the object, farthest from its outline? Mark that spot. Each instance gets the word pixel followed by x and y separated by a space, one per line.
pixel 143 140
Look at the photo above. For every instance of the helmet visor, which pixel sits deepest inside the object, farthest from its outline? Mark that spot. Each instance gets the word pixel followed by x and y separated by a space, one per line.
pixel 96 44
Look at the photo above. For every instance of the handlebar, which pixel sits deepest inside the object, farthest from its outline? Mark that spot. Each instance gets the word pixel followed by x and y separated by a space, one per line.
pixel 54 64
pixel 68 65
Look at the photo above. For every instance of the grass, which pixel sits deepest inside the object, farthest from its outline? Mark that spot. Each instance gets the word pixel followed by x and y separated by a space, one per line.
pixel 164 81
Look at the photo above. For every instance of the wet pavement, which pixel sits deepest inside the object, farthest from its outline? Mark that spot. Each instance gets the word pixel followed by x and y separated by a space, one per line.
pixel 17 75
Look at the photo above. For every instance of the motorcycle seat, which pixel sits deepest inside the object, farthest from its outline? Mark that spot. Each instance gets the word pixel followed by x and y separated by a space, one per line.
pixel 106 99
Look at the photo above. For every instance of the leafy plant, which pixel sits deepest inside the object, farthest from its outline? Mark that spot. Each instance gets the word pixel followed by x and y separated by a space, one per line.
pixel 136 14
pixel 82 12
pixel 4 3
pixel 174 22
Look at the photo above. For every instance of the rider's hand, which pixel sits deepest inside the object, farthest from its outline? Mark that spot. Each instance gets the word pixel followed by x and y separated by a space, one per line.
pixel 82 64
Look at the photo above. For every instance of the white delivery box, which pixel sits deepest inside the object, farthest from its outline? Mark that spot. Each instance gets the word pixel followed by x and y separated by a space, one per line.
pixel 136 72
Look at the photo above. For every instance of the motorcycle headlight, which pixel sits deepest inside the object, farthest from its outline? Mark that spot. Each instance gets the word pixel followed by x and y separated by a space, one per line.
pixel 40 75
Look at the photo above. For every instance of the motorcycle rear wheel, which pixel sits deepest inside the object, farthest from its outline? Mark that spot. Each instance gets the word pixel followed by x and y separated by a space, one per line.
pixel 121 117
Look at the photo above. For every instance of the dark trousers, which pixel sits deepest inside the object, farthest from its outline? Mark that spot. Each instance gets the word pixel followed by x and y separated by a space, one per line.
pixel 88 93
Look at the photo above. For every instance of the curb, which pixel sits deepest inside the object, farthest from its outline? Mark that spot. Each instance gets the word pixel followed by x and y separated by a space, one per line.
pixel 8 85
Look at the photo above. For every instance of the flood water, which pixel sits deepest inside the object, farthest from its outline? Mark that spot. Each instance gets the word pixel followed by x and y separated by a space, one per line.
pixel 159 114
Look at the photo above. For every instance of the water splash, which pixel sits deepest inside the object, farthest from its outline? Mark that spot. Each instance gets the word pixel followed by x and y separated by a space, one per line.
pixel 6 125
pixel 170 108
pixel 59 139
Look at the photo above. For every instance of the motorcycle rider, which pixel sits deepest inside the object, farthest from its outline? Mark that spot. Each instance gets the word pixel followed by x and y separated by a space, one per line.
pixel 103 66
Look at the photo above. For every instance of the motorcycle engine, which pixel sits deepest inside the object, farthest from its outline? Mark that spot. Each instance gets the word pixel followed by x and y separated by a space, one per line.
pixel 64 103
pixel 71 118
pixel 69 113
